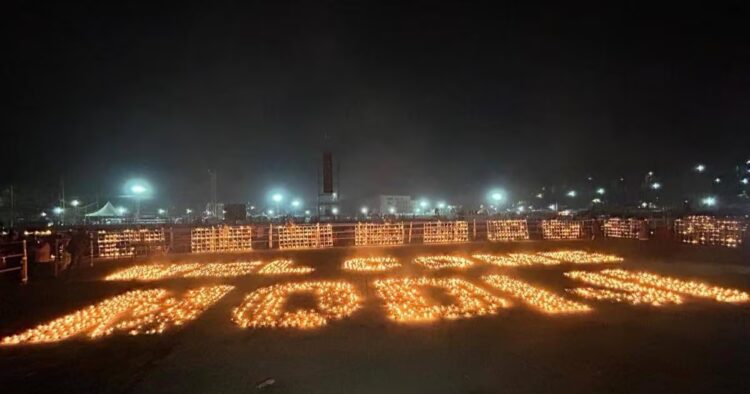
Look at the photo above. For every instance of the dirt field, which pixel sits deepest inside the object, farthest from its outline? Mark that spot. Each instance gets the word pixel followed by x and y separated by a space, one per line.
pixel 700 346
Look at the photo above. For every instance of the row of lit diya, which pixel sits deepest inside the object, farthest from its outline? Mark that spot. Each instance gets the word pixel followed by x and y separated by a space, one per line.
pixel 406 300
pixel 360 264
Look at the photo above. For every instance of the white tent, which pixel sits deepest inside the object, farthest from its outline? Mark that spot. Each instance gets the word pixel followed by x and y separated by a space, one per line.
pixel 107 211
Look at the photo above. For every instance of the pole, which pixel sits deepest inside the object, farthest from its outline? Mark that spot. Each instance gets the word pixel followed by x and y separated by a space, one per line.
pixel 270 236
pixel 24 265
pixel 62 200
pixel 12 206
pixel 91 251
pixel 56 260
pixel 317 235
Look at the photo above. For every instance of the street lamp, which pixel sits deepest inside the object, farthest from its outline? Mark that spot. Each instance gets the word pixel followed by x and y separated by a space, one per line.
pixel 296 203
pixel 600 191
pixel 335 210
pixel 572 193
pixel 656 185
pixel 700 168
pixel 391 210
pixel 364 211
pixel 277 198
pixel 58 210
pixel 709 201
pixel 441 205
pixel 137 189
pixel 75 203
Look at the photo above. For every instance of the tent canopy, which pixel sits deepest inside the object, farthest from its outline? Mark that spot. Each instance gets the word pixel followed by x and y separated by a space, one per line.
pixel 107 211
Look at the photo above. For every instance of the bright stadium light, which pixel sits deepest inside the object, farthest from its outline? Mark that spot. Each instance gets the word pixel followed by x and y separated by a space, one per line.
pixel 58 210
pixel 596 201
pixel 307 212
pixel 363 210
pixel 43 214
pixel 424 203
pixel 75 203
pixel 441 205
pixel 391 210
pixel 571 193
pixel 656 185
pixel 709 201
pixel 600 191
pixel 138 189
pixel 122 210
pixel 270 212
pixel 540 195
pixel 161 211
pixel 296 203
pixel 552 207
pixel 744 181
pixel 277 197
pixel 717 180
pixel 700 168
pixel 188 211
pixel 496 196
pixel 335 210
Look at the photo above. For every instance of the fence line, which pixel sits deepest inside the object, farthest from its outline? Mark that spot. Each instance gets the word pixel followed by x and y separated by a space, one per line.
pixel 224 238
pixel 15 251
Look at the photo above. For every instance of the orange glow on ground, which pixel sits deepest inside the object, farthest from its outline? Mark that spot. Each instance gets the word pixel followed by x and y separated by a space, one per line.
pixel 406 301
pixel 265 307
pixel 371 264
pixel 284 267
pixel 135 312
pixel 541 300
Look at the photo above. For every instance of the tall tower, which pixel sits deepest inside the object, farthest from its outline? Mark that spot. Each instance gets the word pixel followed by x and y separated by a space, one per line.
pixel 328 187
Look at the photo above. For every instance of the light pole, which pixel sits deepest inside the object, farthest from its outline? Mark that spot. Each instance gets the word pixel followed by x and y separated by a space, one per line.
pixel 295 205
pixel 137 189
pixel 496 198
pixel 75 204
pixel 277 198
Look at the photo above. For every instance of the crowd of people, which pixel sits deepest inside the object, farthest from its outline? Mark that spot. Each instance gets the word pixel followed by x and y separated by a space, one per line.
pixel 46 253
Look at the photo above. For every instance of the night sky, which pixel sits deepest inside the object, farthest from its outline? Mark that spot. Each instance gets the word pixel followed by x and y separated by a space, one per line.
pixel 423 99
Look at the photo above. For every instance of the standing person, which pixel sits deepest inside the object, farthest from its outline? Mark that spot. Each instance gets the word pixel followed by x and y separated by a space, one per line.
pixel 77 249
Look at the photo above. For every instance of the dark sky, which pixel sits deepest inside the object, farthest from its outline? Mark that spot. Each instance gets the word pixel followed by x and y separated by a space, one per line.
pixel 432 98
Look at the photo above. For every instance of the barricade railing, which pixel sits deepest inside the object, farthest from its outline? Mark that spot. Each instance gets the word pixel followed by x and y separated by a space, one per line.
pixel 114 244
pixel 507 230
pixel 221 239
pixel 709 230
pixel 14 258
pixel 629 228
pixel 224 238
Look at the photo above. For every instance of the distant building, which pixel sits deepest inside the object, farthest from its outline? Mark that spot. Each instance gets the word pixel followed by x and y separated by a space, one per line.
pixel 393 204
